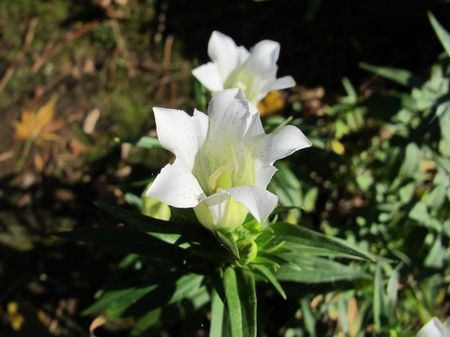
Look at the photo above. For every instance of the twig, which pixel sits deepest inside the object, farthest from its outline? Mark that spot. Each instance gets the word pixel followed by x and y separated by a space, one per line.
pixel 57 48
pixel 121 47
pixel 167 55
pixel 29 36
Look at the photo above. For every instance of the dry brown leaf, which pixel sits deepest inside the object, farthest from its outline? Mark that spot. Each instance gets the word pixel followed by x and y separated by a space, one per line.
pixel 352 316
pixel 91 121
pixel 16 319
pixel 96 323
pixel 271 104
pixel 39 125
pixel 6 155
pixel 39 162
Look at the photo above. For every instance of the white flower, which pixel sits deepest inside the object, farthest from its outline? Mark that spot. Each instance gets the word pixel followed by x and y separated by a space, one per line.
pixel 435 328
pixel 223 161
pixel 254 72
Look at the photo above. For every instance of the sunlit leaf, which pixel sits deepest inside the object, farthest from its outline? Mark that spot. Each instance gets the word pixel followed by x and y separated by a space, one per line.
pixel 316 270
pixel 306 237
pixel 441 33
pixel 270 276
pixel 271 104
pixel 400 76
pixel 240 294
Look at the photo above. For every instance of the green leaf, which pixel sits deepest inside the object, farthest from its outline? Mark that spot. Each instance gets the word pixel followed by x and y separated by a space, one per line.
pixel 217 316
pixel 308 317
pixel 309 201
pixel 270 276
pixel 392 292
pixel 441 33
pixel 228 242
pixel 305 237
pixel 131 297
pixel 400 76
pixel 142 222
pixel 171 233
pixel 240 294
pixel 233 302
pixel 377 297
pixel 350 90
pixel 115 298
pixel 311 269
pixel 129 241
pixel 286 186
pixel 149 143
pixel 437 255
pixel 410 164
pixel 436 197
pixel 164 317
pixel 166 292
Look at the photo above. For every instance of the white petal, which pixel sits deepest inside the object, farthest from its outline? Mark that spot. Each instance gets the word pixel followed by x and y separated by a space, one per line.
pixel 279 144
pixel 264 175
pixel 175 185
pixel 224 52
pixel 254 125
pixel 259 70
pixel 228 112
pixel 264 55
pixel 259 202
pixel 200 121
pixel 217 204
pixel 243 54
pixel 178 134
pixel 208 75
pixel 252 105
pixel 433 328
pixel 281 83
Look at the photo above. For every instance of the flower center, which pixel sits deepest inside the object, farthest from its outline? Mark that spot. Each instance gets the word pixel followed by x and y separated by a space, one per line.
pixel 221 178
pixel 222 168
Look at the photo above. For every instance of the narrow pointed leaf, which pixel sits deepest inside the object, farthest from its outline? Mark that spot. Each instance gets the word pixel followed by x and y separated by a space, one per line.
pixel 308 317
pixel 217 316
pixel 170 232
pixel 148 143
pixel 240 294
pixel 441 33
pixel 140 221
pixel 129 241
pixel 228 242
pixel 377 297
pixel 247 293
pixel 397 75
pixel 312 269
pixel 233 302
pixel 153 321
pixel 270 276
pixel 309 238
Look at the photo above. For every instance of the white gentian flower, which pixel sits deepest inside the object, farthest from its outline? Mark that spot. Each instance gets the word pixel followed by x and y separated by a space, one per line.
pixel 254 72
pixel 435 328
pixel 224 161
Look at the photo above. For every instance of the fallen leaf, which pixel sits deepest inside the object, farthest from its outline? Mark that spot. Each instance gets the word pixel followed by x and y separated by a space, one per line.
pixel 96 323
pixel 337 147
pixel 91 121
pixel 38 125
pixel 271 104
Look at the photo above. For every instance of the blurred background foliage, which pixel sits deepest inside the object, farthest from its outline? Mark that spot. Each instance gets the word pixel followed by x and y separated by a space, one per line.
pixel 78 80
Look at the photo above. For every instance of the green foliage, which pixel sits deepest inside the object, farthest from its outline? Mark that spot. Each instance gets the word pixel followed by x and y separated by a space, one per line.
pixel 179 263
pixel 400 172
pixel 379 177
